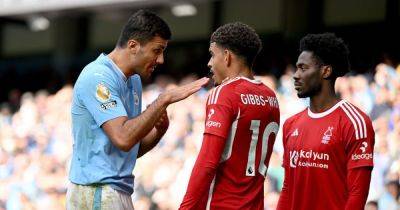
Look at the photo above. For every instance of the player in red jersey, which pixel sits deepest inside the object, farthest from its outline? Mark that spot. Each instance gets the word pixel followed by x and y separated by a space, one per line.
pixel 328 147
pixel 242 119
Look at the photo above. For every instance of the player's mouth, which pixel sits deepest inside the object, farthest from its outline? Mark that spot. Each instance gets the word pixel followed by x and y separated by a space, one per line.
pixel 210 73
pixel 152 68
pixel 297 86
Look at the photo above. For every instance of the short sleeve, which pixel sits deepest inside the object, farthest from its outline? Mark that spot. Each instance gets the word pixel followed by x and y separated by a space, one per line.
pixel 98 92
pixel 360 142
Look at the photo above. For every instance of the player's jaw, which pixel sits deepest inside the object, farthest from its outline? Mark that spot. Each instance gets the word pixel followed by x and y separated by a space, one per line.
pixel 216 76
pixel 306 88
pixel 150 69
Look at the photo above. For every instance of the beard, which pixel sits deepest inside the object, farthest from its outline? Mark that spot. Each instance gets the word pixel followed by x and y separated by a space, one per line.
pixel 312 91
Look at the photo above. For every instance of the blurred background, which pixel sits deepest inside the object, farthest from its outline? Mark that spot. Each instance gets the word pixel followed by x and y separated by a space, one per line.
pixel 44 44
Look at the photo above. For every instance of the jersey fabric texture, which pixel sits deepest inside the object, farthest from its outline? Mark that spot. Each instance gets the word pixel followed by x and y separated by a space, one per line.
pixel 319 150
pixel 244 114
pixel 101 93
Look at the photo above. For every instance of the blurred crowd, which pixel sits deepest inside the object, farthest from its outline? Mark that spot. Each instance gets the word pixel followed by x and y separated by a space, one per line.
pixel 36 143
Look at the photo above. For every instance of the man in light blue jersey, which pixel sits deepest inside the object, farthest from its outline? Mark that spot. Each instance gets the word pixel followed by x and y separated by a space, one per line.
pixel 110 131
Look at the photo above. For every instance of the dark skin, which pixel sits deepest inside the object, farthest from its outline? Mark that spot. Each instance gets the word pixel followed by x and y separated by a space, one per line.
pixel 313 80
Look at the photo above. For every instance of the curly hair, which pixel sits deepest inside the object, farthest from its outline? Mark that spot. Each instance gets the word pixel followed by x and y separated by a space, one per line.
pixel 240 38
pixel 143 26
pixel 328 49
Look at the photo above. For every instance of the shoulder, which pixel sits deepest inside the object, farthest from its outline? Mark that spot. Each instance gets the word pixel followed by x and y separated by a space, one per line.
pixel 291 120
pixel 223 93
pixel 94 73
pixel 355 119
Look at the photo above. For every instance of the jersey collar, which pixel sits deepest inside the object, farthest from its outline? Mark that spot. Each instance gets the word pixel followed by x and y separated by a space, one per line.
pixel 323 114
pixel 116 68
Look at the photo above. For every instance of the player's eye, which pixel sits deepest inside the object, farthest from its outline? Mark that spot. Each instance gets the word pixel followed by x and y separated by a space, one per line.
pixel 157 51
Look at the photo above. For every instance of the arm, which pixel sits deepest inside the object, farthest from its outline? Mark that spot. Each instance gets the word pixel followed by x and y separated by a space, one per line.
pixel 126 133
pixel 358 180
pixel 155 135
pixel 203 171
pixel 283 202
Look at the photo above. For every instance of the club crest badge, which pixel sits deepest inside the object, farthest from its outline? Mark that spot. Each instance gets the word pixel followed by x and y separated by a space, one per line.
pixel 327 135
pixel 136 98
pixel 102 93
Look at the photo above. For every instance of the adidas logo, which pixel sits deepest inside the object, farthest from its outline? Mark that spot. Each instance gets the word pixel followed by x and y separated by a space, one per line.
pixel 295 132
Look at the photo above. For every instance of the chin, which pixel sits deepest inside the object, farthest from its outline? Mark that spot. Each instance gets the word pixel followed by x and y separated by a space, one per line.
pixel 302 95
pixel 145 77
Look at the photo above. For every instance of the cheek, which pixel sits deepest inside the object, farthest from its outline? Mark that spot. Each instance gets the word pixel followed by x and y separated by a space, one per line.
pixel 313 81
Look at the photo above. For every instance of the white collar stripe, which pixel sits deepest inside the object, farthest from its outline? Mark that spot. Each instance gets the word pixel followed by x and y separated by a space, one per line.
pixel 325 113
pixel 250 80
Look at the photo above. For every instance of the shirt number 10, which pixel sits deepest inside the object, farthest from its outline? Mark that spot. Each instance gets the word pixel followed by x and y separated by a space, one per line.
pixel 272 127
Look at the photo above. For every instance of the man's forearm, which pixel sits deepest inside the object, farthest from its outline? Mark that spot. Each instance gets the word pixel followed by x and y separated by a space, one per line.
pixel 140 126
pixel 125 133
pixel 149 141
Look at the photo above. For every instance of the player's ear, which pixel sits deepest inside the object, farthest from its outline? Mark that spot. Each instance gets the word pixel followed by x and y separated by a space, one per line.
pixel 227 57
pixel 133 46
pixel 326 71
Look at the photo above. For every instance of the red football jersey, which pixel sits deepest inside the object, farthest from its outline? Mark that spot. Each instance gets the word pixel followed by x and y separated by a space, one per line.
pixel 319 149
pixel 246 114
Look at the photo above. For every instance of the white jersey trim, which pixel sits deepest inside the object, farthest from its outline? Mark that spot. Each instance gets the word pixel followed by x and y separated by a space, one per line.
pixel 255 81
pixel 323 114
pixel 215 93
pixel 228 146
pixel 210 194
pixel 356 119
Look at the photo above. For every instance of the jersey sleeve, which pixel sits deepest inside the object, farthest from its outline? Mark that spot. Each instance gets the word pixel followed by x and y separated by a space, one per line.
pixel 203 173
pixel 220 113
pixel 360 139
pixel 98 92
pixel 285 131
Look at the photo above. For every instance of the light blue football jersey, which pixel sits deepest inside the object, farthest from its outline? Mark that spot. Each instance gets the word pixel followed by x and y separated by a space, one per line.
pixel 101 93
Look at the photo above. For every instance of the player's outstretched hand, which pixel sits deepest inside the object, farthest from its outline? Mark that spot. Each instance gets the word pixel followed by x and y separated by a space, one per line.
pixel 179 93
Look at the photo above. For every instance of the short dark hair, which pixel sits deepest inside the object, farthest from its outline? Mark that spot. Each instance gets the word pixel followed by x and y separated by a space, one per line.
pixel 143 26
pixel 328 50
pixel 240 38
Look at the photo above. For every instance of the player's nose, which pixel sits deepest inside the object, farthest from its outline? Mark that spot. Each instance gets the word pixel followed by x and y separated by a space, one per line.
pixel 160 59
